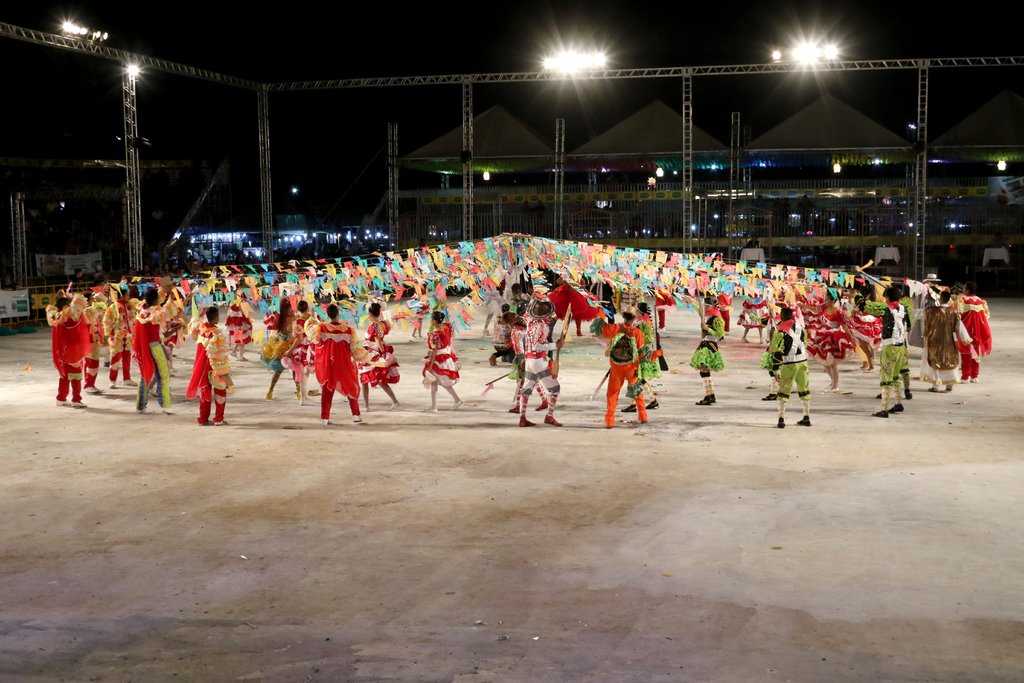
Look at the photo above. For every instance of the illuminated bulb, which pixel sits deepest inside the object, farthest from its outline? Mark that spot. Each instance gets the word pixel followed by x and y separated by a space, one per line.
pixel 776 55
pixel 487 175
pixel 1001 164
pixel 831 52
pixel 836 168
pixel 660 172
pixel 133 70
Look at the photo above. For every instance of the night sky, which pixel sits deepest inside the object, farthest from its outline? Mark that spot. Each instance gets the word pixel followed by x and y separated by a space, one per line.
pixel 332 144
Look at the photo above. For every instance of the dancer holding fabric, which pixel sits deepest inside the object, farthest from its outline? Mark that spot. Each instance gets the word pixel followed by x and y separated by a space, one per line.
pixel 335 362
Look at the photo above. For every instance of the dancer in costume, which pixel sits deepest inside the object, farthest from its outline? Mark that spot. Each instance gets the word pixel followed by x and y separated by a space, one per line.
pixel 419 312
pixel 707 358
pixel 831 339
pixel 789 359
pixel 335 362
pixel 69 342
pixel 118 321
pixel 944 334
pixel 279 341
pixel 239 327
pixel 974 314
pixel 537 363
pixel 866 326
pixel 211 371
pixel 518 372
pixel 380 368
pixel 926 297
pixel 442 366
pixel 725 308
pixel 752 317
pixel 502 339
pixel 172 332
pixel 649 369
pixel 149 350
pixel 494 300
pixel 626 350
pixel 663 301
pixel 893 361
pixel 96 307
pixel 567 297
pixel 299 358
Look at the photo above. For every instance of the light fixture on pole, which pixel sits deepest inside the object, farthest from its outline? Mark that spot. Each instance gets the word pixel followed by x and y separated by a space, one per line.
pixel 75 30
pixel 808 53
pixel 572 61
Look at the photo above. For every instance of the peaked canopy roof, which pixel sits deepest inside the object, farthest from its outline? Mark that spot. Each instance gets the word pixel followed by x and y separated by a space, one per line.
pixel 655 130
pixel 996 129
pixel 833 127
pixel 500 142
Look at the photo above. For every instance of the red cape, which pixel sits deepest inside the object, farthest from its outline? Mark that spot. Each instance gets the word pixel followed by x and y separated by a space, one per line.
pixel 978 327
pixel 200 373
pixel 141 348
pixel 334 365
pixel 70 343
pixel 566 297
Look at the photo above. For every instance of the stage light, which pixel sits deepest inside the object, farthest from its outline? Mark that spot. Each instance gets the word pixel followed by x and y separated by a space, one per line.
pixel 776 55
pixel 571 61
pixel 836 168
pixel 660 172
pixel 70 28
pixel 1001 165
pixel 133 70
pixel 487 175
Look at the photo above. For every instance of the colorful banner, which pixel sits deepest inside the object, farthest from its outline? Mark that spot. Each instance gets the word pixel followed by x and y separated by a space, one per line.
pixel 53 265
pixel 14 303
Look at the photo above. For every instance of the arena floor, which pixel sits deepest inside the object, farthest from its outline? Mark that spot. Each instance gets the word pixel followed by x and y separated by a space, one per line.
pixel 707 545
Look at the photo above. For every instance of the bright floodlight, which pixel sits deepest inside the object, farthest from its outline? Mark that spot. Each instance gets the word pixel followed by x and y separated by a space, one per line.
pixel 809 53
pixel 1001 165
pixel 133 70
pixel 570 61
pixel 70 28
pixel 487 175
pixel 660 172
pixel 837 168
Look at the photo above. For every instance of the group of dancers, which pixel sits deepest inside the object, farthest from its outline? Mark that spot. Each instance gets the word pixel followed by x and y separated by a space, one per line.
pixel 951 323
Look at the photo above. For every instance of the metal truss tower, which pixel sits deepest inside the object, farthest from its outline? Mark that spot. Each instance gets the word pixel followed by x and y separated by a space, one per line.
pixel 920 210
pixel 688 192
pixel 18 240
pixel 559 178
pixel 266 199
pixel 392 183
pixel 132 193
pixel 467 160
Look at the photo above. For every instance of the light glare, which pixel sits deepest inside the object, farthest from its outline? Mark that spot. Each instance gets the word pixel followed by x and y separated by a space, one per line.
pixel 570 61
pixel 1001 165
pixel 133 70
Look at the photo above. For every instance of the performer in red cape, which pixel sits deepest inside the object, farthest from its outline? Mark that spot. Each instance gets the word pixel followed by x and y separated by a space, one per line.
pixel 70 345
pixel 566 297
pixel 662 302
pixel 725 308
pixel 211 370
pixel 335 365
pixel 974 315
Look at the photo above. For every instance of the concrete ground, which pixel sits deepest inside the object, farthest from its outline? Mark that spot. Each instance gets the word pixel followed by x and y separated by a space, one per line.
pixel 707 545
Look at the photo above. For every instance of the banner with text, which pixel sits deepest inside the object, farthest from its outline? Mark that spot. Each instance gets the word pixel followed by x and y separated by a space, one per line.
pixel 55 265
pixel 13 303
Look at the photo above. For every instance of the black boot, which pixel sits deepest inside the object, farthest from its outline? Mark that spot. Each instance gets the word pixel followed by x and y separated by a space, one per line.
pixel 882 413
pixel 804 421
pixel 652 405
pixel 898 408
pixel 782 423
pixel 907 395
pixel 707 400
pixel 631 408
pixel 770 397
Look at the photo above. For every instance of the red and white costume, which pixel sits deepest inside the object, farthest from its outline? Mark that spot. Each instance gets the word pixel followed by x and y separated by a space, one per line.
pixel 210 372
pixel 381 366
pixel 662 302
pixel 238 325
pixel 537 367
pixel 866 327
pixel 828 342
pixel 70 345
pixel 754 314
pixel 974 315
pixel 301 355
pixel 335 366
pixel 118 320
pixel 442 366
pixel 725 308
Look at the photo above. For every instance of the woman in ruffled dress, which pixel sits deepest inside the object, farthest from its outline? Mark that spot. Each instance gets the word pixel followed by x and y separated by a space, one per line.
pixel 380 368
pixel 830 339
pixel 442 366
